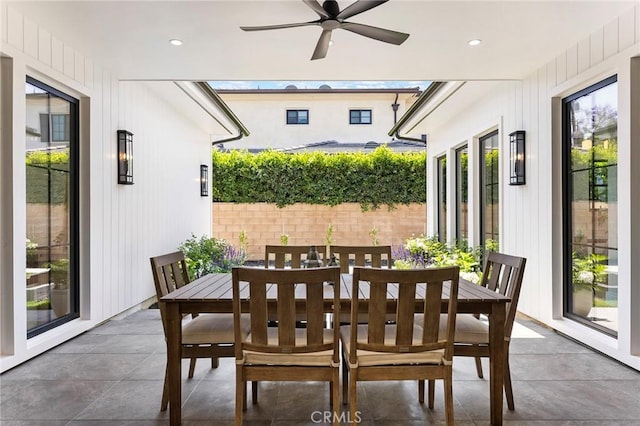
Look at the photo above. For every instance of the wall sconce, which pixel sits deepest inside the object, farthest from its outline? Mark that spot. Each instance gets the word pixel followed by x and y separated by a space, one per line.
pixel 125 157
pixel 204 180
pixel 517 158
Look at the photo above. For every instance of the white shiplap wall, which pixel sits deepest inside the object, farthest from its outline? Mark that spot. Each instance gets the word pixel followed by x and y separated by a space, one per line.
pixel 121 225
pixel 531 215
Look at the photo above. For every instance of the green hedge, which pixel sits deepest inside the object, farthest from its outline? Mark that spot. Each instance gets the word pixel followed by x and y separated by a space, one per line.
pixel 371 179
pixel 47 177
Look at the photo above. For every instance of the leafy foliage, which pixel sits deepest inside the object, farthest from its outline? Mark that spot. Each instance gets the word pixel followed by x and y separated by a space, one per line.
pixel 371 179
pixel 205 255
pixel 425 252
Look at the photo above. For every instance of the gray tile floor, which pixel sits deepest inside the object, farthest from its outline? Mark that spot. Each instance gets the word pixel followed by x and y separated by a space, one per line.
pixel 113 375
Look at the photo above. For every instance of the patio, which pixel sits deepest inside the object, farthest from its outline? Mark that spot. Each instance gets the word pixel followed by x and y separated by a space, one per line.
pixel 113 374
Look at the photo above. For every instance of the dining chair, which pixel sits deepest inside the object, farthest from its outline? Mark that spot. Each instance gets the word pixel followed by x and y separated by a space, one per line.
pixel 502 273
pixel 296 254
pixel 361 256
pixel 378 350
pixel 284 352
pixel 204 335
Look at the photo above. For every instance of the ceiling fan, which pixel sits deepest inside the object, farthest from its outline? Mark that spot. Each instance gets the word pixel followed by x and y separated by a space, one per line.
pixel 331 18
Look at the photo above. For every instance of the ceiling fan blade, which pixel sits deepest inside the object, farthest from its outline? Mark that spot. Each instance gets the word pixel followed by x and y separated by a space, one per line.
pixel 359 7
pixel 313 4
pixel 277 27
pixel 323 45
pixel 376 33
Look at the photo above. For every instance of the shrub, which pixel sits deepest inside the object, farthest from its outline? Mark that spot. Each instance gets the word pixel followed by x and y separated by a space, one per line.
pixel 205 255
pixel 371 179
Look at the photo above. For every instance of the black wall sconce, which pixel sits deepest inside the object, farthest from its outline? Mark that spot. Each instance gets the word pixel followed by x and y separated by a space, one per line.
pixel 125 157
pixel 517 158
pixel 204 180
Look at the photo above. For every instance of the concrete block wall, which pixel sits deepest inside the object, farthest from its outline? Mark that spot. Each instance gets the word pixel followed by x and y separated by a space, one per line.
pixel 308 224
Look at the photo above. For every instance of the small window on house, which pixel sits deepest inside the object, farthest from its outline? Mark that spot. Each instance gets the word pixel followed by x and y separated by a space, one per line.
pixel 297 116
pixel 360 116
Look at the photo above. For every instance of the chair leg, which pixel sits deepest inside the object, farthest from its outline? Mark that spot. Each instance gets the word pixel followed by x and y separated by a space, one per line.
pixel 479 366
pixel 335 397
pixel 448 398
pixel 508 390
pixel 192 367
pixel 345 381
pixel 254 392
pixel 432 393
pixel 353 395
pixel 214 362
pixel 241 395
pixel 421 391
pixel 165 391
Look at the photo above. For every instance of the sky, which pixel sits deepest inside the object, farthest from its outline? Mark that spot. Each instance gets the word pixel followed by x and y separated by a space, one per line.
pixel 314 84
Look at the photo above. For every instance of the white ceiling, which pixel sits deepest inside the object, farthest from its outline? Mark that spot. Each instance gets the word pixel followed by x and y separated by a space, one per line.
pixel 131 38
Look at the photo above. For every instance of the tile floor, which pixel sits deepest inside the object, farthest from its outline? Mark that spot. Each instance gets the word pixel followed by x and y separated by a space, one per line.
pixel 113 375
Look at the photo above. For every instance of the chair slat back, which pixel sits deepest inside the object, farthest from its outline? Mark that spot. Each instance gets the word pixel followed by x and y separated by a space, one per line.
pixel 408 287
pixel 503 273
pixel 297 255
pixel 169 273
pixel 361 255
pixel 289 290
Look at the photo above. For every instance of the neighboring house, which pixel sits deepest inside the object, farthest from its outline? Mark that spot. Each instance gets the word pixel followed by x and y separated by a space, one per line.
pixel 295 117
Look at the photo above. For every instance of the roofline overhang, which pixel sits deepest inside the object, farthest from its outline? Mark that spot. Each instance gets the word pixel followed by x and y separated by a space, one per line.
pixel 433 96
pixel 207 98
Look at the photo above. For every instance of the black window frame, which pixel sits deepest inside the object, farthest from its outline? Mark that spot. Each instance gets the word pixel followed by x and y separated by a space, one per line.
pixel 294 120
pixel 74 209
pixel 567 211
pixel 357 119
pixel 483 186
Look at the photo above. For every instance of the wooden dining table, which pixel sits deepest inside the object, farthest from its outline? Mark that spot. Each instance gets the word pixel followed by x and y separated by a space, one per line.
pixel 213 293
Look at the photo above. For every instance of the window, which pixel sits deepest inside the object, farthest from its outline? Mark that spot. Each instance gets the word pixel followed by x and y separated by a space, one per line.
pixel 489 194
pixel 462 194
pixel 52 207
pixel 360 116
pixel 59 125
pixel 442 198
pixel 590 205
pixel 297 116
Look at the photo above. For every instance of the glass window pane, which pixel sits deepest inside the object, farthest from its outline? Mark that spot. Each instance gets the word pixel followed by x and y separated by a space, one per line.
pixel 591 142
pixel 462 220
pixel 49 196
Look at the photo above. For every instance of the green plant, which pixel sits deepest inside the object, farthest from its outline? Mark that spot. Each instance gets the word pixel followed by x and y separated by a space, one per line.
pixel 244 240
pixel 370 179
pixel 425 252
pixel 59 273
pixel 205 255
pixel 374 236
pixel 588 271
pixel 328 236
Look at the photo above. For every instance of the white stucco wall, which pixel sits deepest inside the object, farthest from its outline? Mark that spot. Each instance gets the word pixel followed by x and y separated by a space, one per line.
pixel 121 226
pixel 531 215
pixel 265 116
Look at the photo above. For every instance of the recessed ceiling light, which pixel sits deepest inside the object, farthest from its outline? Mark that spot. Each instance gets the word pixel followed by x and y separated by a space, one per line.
pixel 474 42
pixel 175 42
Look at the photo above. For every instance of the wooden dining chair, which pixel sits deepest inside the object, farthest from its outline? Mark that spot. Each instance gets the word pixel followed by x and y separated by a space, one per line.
pixel 374 256
pixel 284 352
pixel 296 254
pixel 378 350
pixel 502 273
pixel 205 335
